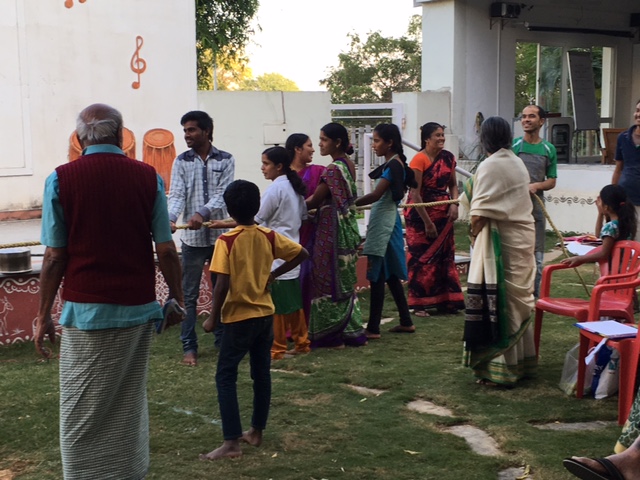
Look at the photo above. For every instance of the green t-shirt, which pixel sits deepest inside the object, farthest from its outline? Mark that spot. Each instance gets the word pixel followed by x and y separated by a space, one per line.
pixel 540 159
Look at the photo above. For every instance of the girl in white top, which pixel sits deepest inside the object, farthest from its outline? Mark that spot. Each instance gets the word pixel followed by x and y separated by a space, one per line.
pixel 282 208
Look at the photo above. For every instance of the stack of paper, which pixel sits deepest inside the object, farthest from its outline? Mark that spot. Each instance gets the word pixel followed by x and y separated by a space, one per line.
pixel 609 329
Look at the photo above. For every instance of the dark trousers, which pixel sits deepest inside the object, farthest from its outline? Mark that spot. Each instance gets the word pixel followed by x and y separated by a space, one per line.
pixel 193 260
pixel 377 302
pixel 253 336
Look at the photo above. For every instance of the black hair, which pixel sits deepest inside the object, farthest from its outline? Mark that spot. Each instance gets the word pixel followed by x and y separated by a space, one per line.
pixel 495 133
pixel 335 132
pixel 614 197
pixel 389 132
pixel 426 131
pixel 204 121
pixel 542 113
pixel 280 156
pixel 295 140
pixel 243 201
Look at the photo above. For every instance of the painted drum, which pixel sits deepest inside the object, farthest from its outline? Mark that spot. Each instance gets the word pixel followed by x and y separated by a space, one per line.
pixel 128 145
pixel 159 152
pixel 15 260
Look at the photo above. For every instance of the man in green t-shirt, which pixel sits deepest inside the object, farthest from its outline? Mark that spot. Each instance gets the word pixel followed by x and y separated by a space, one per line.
pixel 541 160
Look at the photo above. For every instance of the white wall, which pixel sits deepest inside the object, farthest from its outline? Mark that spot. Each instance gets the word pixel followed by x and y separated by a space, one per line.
pixel 57 60
pixel 571 205
pixel 241 120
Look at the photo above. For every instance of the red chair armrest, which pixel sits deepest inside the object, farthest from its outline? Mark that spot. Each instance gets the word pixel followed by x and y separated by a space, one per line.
pixel 618 276
pixel 545 284
pixel 598 290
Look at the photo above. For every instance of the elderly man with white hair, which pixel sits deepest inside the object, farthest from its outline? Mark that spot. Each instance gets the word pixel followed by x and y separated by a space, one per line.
pixel 101 215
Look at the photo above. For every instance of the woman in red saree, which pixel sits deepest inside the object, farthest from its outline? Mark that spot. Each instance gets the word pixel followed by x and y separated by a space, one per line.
pixel 433 278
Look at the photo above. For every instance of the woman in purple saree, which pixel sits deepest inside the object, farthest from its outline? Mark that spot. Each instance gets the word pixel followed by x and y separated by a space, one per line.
pixel 301 151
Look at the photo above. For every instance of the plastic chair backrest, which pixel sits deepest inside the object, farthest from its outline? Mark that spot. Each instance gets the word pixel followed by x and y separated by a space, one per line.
pixel 625 259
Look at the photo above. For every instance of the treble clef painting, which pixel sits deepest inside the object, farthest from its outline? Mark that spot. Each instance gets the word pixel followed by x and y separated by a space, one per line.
pixel 69 3
pixel 138 64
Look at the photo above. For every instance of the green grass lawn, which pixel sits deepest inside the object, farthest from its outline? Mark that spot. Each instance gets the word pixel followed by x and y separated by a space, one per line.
pixel 321 429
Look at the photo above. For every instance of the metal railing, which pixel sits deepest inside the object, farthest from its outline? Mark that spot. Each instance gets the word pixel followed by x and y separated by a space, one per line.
pixel 367 161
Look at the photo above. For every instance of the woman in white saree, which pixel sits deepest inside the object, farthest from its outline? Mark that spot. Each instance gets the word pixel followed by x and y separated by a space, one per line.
pixel 498 332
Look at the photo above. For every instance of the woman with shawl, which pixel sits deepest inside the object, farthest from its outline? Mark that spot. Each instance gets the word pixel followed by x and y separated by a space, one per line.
pixel 498 330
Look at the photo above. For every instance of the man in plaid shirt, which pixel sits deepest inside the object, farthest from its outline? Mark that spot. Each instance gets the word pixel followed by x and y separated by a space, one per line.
pixel 199 178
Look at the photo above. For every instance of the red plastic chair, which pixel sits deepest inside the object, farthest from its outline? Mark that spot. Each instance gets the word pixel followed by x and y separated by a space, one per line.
pixel 612 295
pixel 629 349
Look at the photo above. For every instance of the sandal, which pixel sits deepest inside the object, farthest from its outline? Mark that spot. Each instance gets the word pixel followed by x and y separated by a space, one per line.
pixel 421 313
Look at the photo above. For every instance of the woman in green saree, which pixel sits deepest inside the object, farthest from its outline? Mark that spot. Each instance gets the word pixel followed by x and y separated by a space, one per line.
pixel 335 319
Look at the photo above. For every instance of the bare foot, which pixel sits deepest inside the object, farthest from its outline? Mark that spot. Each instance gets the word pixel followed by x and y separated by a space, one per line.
pixel 403 329
pixel 486 383
pixel 253 437
pixel 229 449
pixel 372 336
pixel 190 359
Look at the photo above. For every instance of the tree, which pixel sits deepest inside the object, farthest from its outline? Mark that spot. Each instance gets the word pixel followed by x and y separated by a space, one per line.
pixel 376 67
pixel 270 82
pixel 222 32
pixel 231 76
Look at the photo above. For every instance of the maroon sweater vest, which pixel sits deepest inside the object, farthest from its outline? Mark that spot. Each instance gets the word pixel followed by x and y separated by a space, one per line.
pixel 107 201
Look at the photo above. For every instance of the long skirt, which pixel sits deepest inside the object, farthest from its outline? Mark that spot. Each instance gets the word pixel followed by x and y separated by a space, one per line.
pixel 104 416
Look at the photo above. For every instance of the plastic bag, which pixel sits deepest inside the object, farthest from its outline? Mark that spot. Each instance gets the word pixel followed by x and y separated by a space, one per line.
pixel 608 384
pixel 569 377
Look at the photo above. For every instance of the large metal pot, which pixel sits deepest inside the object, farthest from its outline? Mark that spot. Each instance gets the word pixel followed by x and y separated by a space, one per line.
pixel 15 260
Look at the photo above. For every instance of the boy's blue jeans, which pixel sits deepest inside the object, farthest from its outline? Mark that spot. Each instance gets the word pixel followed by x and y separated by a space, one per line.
pixel 253 336
pixel 193 260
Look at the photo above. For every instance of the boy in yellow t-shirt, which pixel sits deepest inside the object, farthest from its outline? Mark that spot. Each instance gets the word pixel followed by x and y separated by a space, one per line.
pixel 242 260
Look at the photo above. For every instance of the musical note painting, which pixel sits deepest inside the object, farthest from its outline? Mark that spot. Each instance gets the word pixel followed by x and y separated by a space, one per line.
pixel 69 3
pixel 138 64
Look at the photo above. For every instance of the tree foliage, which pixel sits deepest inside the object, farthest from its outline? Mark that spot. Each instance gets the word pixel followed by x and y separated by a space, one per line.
pixel 222 32
pixel 230 73
pixel 377 66
pixel 550 87
pixel 269 82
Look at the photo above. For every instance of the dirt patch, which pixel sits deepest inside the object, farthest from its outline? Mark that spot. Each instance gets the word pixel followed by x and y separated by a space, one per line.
pixel 320 399
pixel 292 442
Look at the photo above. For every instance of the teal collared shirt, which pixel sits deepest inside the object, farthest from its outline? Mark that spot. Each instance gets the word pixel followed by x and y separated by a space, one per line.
pixel 98 316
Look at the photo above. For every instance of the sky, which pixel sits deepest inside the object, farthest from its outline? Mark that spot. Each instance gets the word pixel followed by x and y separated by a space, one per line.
pixel 301 39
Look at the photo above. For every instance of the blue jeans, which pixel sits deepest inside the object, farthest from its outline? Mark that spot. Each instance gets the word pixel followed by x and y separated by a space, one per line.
pixel 193 260
pixel 253 336
pixel 539 265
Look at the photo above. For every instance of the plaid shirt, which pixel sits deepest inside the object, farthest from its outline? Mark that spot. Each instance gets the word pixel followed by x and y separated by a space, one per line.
pixel 197 186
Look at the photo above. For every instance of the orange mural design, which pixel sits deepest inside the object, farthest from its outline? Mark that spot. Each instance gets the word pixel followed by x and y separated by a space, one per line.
pixel 69 3
pixel 159 152
pixel 138 65
pixel 128 145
